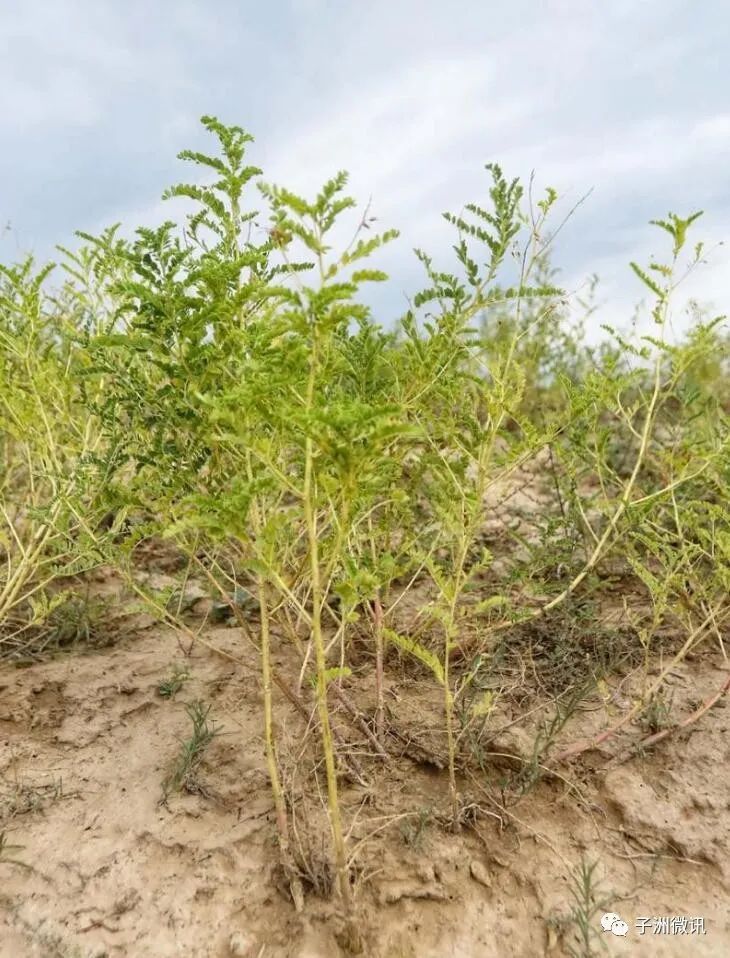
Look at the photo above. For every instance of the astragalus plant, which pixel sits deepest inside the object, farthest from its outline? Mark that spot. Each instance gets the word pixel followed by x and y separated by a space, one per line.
pixel 231 402
pixel 223 380
pixel 47 438
pixel 463 394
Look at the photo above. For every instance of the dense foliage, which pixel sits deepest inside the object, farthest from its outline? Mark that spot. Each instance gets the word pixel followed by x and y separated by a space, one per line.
pixel 235 396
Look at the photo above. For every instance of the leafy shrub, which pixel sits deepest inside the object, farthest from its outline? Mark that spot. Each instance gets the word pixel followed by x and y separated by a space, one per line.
pixel 227 385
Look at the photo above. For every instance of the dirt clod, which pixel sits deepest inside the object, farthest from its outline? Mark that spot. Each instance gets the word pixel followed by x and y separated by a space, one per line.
pixel 480 874
pixel 241 945
pixel 104 869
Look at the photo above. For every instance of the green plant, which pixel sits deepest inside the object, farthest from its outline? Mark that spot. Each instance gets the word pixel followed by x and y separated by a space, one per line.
pixel 413 832
pixel 585 912
pixel 182 775
pixel 218 385
pixel 47 490
pixel 464 413
pixel 169 688
pixel 657 712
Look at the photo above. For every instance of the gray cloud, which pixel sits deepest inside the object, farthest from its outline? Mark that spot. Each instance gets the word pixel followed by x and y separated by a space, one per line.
pixel 412 98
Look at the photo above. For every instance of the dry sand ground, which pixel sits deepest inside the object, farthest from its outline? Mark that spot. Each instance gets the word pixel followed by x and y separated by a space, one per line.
pixel 94 865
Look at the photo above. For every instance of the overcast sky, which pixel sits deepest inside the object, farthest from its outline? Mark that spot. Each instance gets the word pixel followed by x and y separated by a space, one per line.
pixel 629 98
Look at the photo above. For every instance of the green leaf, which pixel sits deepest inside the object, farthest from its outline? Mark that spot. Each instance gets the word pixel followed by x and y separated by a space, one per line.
pixel 648 281
pixel 333 674
pixel 418 651
pixel 493 602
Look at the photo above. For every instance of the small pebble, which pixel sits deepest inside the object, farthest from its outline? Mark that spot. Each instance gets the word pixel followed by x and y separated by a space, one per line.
pixel 479 873
pixel 240 945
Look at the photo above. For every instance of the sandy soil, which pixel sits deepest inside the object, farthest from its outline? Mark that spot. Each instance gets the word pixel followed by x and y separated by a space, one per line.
pixel 95 864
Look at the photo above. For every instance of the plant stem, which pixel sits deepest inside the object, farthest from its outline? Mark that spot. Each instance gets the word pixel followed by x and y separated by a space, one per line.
pixel 379 690
pixel 310 519
pixel 282 823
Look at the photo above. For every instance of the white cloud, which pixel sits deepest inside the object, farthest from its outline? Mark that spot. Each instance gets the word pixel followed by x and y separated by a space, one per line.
pixel 412 98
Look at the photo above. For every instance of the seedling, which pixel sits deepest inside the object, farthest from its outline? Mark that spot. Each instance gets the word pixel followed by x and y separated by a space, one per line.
pixel 586 910
pixel 169 688
pixel 182 776
pixel 413 833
